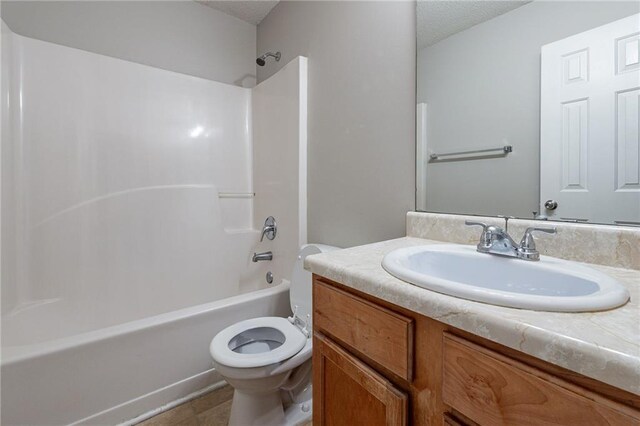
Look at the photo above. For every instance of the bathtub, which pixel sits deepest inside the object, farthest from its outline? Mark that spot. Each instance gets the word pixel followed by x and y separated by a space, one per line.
pixel 127 372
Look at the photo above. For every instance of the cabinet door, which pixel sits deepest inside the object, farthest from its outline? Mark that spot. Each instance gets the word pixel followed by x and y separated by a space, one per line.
pixel 348 392
pixel 492 389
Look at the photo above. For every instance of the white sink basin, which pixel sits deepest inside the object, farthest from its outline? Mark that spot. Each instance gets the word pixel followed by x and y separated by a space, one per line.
pixel 547 285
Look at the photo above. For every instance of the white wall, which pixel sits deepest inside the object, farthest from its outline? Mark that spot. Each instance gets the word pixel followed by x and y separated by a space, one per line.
pixel 279 108
pixel 482 89
pixel 361 126
pixel 181 36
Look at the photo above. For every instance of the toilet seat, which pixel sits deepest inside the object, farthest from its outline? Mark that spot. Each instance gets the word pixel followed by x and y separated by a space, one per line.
pixel 221 345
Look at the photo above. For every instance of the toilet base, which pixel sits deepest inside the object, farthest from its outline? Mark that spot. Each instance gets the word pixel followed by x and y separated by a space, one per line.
pixel 298 414
pixel 256 409
pixel 266 409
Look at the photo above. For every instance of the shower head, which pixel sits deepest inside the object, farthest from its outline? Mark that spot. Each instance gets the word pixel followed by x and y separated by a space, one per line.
pixel 261 60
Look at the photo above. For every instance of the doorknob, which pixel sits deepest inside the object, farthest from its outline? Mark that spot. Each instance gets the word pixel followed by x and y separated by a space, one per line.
pixel 551 205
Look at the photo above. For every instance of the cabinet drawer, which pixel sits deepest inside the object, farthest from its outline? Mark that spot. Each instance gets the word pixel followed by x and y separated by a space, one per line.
pixel 379 334
pixel 492 389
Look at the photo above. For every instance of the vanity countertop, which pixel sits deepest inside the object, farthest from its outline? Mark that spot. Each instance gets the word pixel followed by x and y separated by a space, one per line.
pixel 601 345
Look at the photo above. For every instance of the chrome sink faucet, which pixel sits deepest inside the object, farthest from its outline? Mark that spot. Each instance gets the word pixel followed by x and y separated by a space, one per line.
pixel 495 240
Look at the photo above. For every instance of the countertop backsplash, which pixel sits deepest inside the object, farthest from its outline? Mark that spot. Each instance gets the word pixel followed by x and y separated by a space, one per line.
pixel 609 245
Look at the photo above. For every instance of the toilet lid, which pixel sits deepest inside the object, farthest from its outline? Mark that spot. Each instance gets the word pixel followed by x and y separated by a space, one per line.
pixel 227 347
pixel 300 293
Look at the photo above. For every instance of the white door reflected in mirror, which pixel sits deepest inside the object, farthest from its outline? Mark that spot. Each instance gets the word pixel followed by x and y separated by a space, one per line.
pixel 589 147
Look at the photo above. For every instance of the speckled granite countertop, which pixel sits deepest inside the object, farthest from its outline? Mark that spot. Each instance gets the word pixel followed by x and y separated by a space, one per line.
pixel 601 345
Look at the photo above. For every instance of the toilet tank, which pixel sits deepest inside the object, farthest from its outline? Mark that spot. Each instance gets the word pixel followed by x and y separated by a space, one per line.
pixel 300 294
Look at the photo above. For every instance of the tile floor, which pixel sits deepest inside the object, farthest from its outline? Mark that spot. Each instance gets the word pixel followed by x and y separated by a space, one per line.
pixel 211 409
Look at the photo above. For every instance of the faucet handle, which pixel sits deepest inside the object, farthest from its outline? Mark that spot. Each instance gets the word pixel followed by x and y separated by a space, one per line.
pixel 527 248
pixel 528 233
pixel 474 223
pixel 269 229
pixel 485 237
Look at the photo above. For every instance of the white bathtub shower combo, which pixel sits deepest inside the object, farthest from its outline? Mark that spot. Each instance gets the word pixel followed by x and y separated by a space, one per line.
pixel 132 199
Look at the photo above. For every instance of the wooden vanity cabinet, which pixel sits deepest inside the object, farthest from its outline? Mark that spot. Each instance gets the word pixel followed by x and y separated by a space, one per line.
pixel 376 363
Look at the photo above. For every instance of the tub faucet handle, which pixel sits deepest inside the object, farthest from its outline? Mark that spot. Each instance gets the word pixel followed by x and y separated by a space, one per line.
pixel 270 229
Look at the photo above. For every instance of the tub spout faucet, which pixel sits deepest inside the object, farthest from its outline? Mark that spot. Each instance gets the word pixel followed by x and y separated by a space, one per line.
pixel 257 257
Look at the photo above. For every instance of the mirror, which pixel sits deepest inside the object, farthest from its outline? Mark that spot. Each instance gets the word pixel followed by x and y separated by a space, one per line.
pixel 529 109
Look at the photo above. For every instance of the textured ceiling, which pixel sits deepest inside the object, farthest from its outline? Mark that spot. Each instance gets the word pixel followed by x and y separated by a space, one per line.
pixel 438 20
pixel 249 11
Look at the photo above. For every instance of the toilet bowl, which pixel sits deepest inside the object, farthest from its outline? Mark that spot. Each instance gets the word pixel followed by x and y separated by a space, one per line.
pixel 267 360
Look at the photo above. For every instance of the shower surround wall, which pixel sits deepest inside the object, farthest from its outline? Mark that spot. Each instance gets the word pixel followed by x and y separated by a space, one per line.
pixel 119 167
pixel 280 161
pixel 128 228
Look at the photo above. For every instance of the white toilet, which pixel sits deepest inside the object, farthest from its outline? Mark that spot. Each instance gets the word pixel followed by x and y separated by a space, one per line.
pixel 268 360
